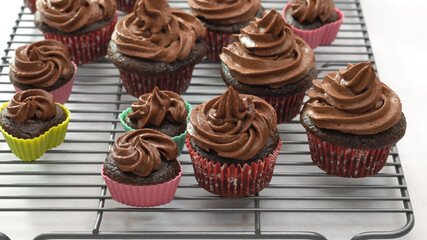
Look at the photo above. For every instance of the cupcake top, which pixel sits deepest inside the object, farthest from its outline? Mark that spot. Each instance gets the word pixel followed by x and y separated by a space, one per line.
pixel 41 63
pixel 153 108
pixel 31 104
pixel 72 15
pixel 225 12
pixel 353 101
pixel 233 125
pixel 142 151
pixel 309 10
pixel 157 32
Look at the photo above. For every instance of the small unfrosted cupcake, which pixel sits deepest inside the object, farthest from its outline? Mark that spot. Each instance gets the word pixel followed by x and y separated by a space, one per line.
pixel 43 65
pixel 141 169
pixel 126 5
pixel 352 121
pixel 315 21
pixel 83 26
pixel 31 4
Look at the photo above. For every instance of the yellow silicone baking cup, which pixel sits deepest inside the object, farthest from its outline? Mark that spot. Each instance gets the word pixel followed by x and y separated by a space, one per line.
pixel 31 149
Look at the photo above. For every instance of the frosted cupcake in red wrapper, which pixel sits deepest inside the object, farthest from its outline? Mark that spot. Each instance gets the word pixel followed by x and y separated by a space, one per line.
pixel 222 19
pixel 233 143
pixel 352 121
pixel 83 26
pixel 267 60
pixel 157 45
pixel 315 21
pixel 43 65
pixel 31 4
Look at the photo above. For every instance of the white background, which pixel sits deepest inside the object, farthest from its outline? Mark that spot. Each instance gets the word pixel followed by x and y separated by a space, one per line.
pixel 398 34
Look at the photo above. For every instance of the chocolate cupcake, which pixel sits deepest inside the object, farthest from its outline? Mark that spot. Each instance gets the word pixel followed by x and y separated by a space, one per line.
pixel 268 61
pixel 233 143
pixel 84 26
pixel 141 169
pixel 43 65
pixel 222 19
pixel 157 45
pixel 352 121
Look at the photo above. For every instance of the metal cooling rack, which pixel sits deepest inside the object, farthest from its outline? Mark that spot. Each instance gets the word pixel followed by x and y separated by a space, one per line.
pixel 62 195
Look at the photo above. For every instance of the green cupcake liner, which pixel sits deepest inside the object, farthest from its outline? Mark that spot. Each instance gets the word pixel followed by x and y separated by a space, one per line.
pixel 31 149
pixel 179 140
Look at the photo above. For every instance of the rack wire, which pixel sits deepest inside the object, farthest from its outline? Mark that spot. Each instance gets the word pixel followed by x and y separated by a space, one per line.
pixel 62 194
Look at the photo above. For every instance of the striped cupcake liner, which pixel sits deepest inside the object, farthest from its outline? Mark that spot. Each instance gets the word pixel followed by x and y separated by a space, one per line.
pixel 125 5
pixel 287 107
pixel 215 42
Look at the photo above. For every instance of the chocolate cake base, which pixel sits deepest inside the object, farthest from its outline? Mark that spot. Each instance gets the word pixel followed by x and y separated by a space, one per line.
pixel 169 128
pixel 309 26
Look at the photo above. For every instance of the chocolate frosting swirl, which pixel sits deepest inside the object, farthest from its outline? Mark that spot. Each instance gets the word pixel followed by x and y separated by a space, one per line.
pixel 33 103
pixel 225 12
pixel 234 126
pixel 353 101
pixel 157 32
pixel 41 63
pixel 72 15
pixel 153 108
pixel 141 151
pixel 268 53
pixel 310 10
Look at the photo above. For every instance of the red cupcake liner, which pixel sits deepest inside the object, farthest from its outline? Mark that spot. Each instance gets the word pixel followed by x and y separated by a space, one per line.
pixel 232 181
pixel 125 5
pixel 215 42
pixel 347 162
pixel 320 36
pixel 31 4
pixel 287 107
pixel 87 47
pixel 136 85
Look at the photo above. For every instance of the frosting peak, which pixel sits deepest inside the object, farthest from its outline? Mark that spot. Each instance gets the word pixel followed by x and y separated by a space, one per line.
pixel 309 10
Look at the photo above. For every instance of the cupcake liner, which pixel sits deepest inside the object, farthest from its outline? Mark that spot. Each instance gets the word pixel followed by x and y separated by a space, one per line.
pixel 232 181
pixel 136 85
pixel 31 4
pixel 87 47
pixel 215 42
pixel 287 107
pixel 142 196
pixel 62 93
pixel 347 162
pixel 320 36
pixel 125 5
pixel 31 149
pixel 179 140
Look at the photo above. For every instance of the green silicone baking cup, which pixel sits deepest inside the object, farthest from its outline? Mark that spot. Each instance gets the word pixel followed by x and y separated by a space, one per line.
pixel 31 149
pixel 179 140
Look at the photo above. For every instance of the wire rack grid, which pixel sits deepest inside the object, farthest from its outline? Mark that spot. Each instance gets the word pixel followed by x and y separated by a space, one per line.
pixel 62 195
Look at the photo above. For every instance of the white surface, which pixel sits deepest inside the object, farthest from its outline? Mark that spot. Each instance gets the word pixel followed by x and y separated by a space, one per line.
pixel 397 33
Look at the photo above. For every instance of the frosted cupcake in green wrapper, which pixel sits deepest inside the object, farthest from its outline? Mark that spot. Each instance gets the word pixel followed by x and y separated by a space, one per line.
pixel 164 111
pixel 32 122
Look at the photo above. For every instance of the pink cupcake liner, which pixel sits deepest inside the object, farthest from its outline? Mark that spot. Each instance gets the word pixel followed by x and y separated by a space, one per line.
pixel 31 4
pixel 62 93
pixel 87 47
pixel 125 5
pixel 215 42
pixel 232 181
pixel 136 85
pixel 320 36
pixel 142 196
pixel 347 162
pixel 287 107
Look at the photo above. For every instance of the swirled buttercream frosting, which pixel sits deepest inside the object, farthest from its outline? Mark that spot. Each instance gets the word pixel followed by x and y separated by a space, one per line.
pixel 353 101
pixel 33 103
pixel 153 108
pixel 225 12
pixel 268 53
pixel 310 10
pixel 233 125
pixel 41 63
pixel 141 151
pixel 157 32
pixel 72 15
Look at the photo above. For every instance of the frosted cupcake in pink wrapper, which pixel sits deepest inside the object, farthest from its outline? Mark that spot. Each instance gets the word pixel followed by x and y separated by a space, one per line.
pixel 233 143
pixel 83 26
pixel 315 21
pixel 267 60
pixel 141 169
pixel 157 45
pixel 43 65
pixel 352 121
